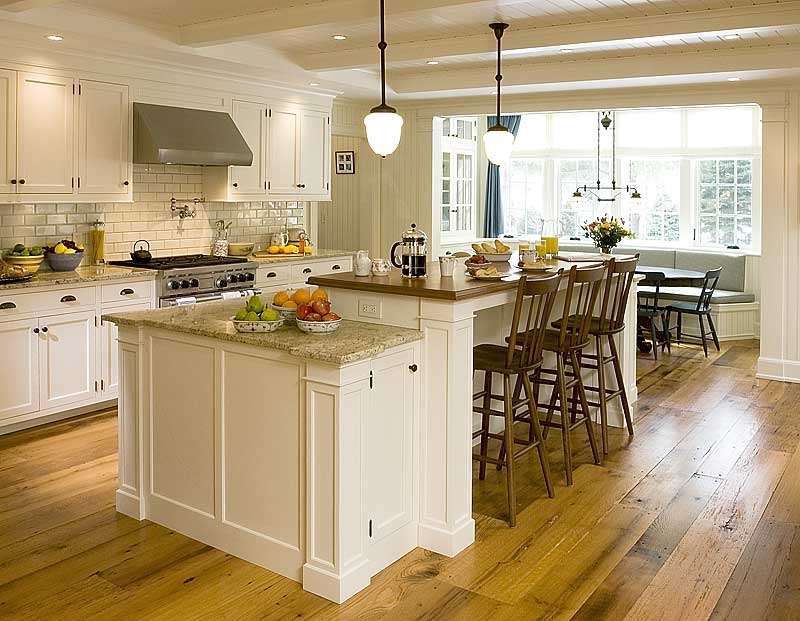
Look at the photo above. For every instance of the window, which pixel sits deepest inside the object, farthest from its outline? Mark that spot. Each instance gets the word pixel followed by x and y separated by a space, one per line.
pixel 458 176
pixel 725 200
pixel 522 182
pixel 657 217
pixel 571 174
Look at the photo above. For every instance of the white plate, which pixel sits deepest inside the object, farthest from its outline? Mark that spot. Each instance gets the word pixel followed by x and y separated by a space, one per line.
pixel 537 268
pixel 498 277
pixel 256 326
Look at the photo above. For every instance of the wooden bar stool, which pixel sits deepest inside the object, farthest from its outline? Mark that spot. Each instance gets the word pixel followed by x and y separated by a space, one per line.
pixel 602 327
pixel 566 343
pixel 519 359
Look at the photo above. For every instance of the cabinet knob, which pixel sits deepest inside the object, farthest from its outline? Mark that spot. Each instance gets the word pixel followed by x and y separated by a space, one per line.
pixel 413 368
pixel 235 185
pixel 13 182
pixel 68 298
pixel 126 292
pixel 36 330
pixel 125 183
pixel 7 305
pixel 44 329
pixel 22 181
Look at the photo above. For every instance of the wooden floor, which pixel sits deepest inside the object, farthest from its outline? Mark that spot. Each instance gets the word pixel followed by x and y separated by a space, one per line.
pixel 696 517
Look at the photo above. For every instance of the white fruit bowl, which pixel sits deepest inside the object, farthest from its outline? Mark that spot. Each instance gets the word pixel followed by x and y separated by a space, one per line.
pixel 318 327
pixel 257 326
pixel 287 314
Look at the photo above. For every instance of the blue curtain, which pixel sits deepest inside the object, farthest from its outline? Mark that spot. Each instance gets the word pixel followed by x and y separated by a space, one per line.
pixel 493 218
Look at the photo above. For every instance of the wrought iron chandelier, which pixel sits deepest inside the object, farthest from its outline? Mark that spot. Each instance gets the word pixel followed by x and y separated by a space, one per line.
pixel 606 120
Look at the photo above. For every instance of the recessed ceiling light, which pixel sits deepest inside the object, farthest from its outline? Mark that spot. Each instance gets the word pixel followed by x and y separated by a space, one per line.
pixel 566 50
pixel 732 37
pixel 313 83
pixel 734 79
pixel 432 62
pixel 339 37
pixel 55 37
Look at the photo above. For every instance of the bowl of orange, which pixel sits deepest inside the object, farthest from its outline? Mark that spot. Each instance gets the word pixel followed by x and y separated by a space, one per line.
pixel 286 302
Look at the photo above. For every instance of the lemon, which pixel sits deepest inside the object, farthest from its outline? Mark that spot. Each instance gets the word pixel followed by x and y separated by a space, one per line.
pixel 273 250
pixel 69 251
pixel 60 248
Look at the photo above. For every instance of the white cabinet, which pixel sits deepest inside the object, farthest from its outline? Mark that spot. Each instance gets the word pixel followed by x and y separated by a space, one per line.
pixel 19 367
pixel 314 168
pixel 388 444
pixel 284 150
pixel 251 119
pixel 104 155
pixel 45 134
pixel 109 363
pixel 8 131
pixel 66 358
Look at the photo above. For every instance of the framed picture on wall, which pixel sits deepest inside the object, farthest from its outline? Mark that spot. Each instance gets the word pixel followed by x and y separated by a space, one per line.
pixel 345 162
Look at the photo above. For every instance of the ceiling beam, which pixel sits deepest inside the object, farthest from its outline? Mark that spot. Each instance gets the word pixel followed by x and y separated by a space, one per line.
pixel 597 69
pixel 335 13
pixel 685 23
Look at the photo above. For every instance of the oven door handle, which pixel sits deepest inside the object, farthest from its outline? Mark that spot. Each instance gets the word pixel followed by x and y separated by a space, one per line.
pixel 209 297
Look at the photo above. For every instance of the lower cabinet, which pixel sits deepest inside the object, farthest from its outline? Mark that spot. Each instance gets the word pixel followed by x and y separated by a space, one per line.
pixel 19 367
pixel 66 359
pixel 109 363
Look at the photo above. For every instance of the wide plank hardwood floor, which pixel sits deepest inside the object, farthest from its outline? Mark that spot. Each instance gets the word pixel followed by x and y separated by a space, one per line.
pixel 696 517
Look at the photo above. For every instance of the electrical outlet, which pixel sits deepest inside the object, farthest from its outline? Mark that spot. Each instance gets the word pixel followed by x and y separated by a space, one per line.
pixel 369 307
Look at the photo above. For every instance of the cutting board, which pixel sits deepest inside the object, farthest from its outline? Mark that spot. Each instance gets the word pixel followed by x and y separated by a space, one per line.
pixel 266 255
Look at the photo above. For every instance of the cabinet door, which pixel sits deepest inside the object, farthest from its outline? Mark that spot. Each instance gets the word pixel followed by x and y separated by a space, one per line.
pixel 109 362
pixel 8 131
pixel 284 127
pixel 314 156
pixel 45 148
pixel 103 129
pixel 19 367
pixel 66 359
pixel 389 444
pixel 251 119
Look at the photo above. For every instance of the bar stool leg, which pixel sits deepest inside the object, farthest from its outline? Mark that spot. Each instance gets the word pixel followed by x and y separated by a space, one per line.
pixel 713 331
pixel 561 383
pixel 601 385
pixel 585 407
pixel 537 433
pixel 703 335
pixel 509 444
pixel 626 408
pixel 487 403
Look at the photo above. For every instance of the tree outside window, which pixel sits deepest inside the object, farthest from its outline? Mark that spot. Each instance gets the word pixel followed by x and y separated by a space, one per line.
pixel 725 201
pixel 658 215
pixel 522 182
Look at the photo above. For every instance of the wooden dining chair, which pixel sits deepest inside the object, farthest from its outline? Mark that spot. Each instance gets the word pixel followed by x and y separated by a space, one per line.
pixel 701 309
pixel 650 313
pixel 521 357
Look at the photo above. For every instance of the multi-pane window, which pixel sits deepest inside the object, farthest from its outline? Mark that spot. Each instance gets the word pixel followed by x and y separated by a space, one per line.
pixel 522 181
pixel 459 128
pixel 571 174
pixel 657 214
pixel 725 201
pixel 458 176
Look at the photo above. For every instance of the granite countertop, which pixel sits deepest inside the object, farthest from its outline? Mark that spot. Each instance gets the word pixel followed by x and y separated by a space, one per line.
pixel 319 253
pixel 81 276
pixel 353 341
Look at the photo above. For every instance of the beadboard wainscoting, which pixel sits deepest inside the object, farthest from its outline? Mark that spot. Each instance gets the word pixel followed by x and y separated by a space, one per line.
pixel 148 217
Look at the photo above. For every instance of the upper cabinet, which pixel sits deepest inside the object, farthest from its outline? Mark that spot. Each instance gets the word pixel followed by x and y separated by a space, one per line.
pixel 45 134
pixel 64 140
pixel 104 160
pixel 291 155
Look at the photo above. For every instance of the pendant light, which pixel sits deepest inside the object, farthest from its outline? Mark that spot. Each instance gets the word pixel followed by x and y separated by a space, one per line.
pixel 498 141
pixel 383 123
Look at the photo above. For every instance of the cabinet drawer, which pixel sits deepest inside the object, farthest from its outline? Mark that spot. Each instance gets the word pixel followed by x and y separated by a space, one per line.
pixel 127 292
pixel 301 272
pixel 270 275
pixel 50 302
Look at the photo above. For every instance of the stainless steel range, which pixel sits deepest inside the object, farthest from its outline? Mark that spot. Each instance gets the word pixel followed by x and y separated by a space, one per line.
pixel 197 278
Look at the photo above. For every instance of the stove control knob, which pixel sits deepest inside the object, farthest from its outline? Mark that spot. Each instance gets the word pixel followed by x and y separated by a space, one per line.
pixel 194 283
pixel 173 284
pixel 220 282
pixel 184 284
pixel 241 277
pixel 231 278
pixel 249 276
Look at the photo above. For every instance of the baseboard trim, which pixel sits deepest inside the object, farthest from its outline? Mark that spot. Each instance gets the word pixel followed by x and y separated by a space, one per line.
pixel 448 543
pixel 778 370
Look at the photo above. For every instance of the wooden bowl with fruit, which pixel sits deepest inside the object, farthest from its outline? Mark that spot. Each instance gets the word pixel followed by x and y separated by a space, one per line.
pixel 256 317
pixel 28 258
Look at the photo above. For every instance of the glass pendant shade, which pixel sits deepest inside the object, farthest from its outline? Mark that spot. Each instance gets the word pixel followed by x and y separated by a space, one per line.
pixel 635 201
pixel 497 143
pixel 577 200
pixel 384 127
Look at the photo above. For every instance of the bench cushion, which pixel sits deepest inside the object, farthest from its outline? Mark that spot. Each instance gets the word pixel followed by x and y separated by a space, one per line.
pixel 690 294
pixel 733 266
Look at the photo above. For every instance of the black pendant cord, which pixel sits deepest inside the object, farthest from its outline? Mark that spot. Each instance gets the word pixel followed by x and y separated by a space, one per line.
pixel 599 116
pixel 498 29
pixel 382 47
pixel 613 150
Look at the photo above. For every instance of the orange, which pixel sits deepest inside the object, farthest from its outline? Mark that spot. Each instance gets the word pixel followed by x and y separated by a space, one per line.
pixel 319 294
pixel 301 296
pixel 290 304
pixel 280 298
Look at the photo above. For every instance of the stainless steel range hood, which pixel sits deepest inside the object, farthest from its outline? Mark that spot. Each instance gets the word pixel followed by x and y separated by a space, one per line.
pixel 168 135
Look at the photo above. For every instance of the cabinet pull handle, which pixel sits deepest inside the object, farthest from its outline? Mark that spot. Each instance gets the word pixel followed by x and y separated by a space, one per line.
pixel 336 267
pixel 301 185
pixel 413 368
pixel 69 298
pixel 125 183
pixel 22 181
pixel 272 275
pixel 7 305
pixel 126 291
pixel 307 270
pixel 44 329
pixel 36 330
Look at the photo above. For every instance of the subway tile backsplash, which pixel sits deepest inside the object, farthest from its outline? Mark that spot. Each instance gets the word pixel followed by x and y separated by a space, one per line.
pixel 148 217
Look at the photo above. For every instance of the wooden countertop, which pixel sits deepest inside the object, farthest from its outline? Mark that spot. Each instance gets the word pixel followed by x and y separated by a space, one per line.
pixel 459 287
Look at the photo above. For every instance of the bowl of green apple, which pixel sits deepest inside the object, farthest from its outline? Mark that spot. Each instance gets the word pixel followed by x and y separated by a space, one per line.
pixel 255 316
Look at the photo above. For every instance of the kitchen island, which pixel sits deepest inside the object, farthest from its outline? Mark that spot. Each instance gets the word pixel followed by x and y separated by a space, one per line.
pixel 292 451
pixel 454 314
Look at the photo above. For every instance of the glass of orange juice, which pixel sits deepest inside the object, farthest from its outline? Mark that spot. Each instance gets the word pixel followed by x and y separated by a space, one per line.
pixel 551 244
